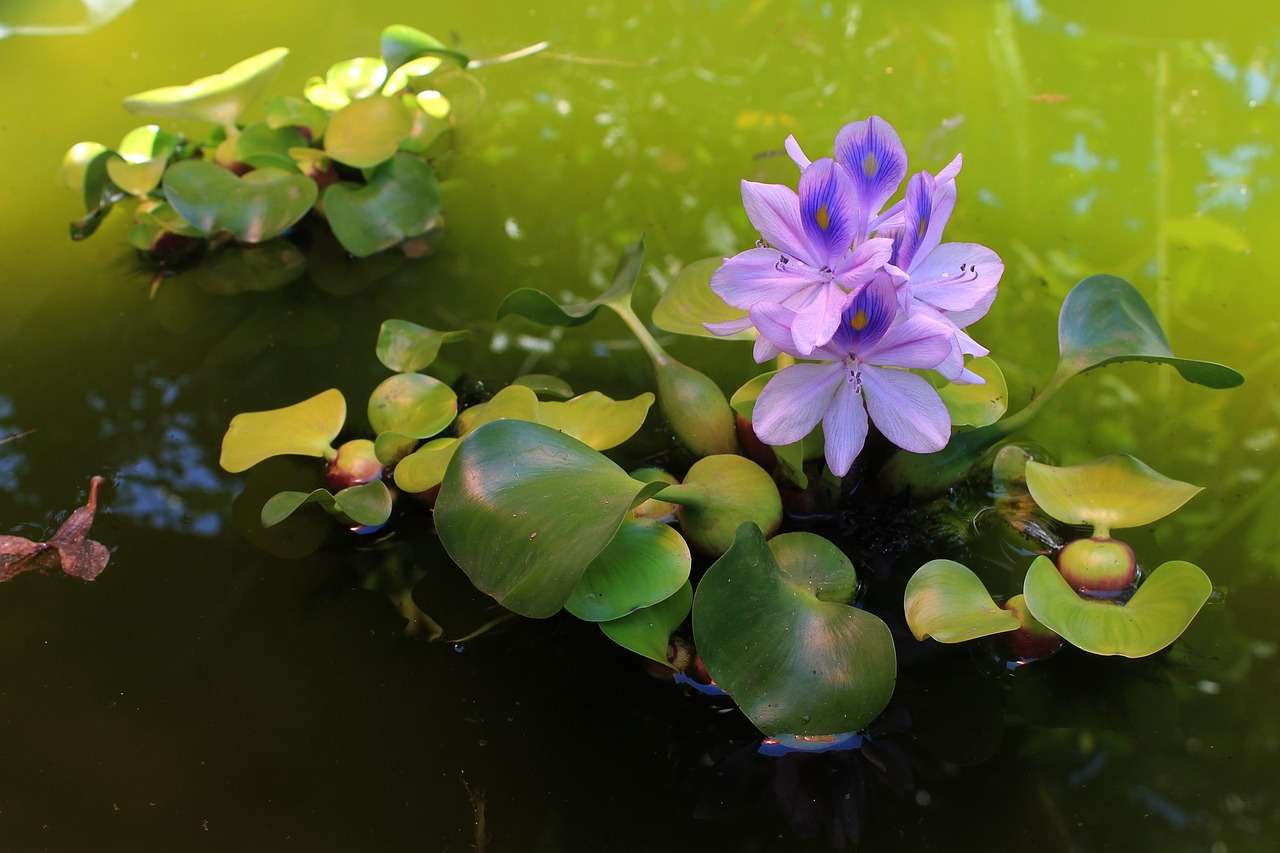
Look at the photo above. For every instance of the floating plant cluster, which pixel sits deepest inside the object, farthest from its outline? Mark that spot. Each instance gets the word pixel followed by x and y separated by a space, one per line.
pixel 355 149
pixel 707 570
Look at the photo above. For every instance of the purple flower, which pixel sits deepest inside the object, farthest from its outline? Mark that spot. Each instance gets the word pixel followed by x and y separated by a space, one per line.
pixel 859 375
pixel 815 255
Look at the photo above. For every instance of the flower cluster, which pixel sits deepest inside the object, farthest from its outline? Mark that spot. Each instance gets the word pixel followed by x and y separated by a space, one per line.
pixel 866 291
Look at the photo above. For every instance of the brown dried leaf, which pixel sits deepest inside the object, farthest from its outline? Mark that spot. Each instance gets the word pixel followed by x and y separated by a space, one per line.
pixel 67 549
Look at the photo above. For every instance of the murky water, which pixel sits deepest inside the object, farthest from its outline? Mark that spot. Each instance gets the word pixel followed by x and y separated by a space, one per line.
pixel 204 694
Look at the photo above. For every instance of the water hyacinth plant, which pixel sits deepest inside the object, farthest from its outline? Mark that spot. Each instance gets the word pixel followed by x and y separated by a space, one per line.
pixel 356 149
pixel 704 569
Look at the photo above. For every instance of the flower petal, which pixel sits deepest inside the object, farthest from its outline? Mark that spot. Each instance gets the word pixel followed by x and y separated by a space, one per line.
pixel 874 156
pixel 828 211
pixel 929 206
pixel 774 323
pixel 760 274
pixel 795 400
pixel 857 268
pixel 794 152
pixel 957 277
pixel 906 408
pixel 729 327
pixel 774 210
pixel 844 428
pixel 818 318
pixel 919 342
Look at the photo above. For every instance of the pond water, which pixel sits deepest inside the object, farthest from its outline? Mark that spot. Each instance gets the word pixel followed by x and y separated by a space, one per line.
pixel 206 694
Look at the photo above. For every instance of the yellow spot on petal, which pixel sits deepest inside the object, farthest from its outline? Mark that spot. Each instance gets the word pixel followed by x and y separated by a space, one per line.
pixel 859 321
pixel 924 226
pixel 870 165
pixel 822 218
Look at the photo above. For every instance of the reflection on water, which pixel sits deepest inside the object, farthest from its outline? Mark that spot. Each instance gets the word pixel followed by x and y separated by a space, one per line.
pixel 58 17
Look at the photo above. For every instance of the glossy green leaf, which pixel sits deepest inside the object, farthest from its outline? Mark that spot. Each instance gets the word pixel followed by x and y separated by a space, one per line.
pixel 689 301
pixel 284 504
pixel 263 204
pixel 647 631
pixel 407 347
pixel 75 163
pixel 1104 320
pixel 515 402
pixel 138 164
pixel 260 145
pixel 430 113
pixel 424 468
pixel 357 78
pixel 775 627
pixel 977 405
pixel 402 44
pixel 391 447
pixel 367 504
pixel 948 602
pixel 541 308
pixel 219 98
pixel 401 200
pixel 524 510
pixel 289 111
pixel 365 133
pixel 1154 617
pixel 412 404
pixel 646 562
pixel 598 421
pixel 718 494
pixel 303 429
pixel 1110 493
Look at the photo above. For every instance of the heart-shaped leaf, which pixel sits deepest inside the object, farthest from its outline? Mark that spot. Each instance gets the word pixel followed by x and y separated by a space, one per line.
pixel 140 160
pixel 1110 493
pixel 407 347
pixel 1104 320
pixel 367 132
pixel 219 98
pixel 718 494
pixel 645 563
pixel 75 164
pixel 412 404
pixel 401 200
pixel 303 429
pixel 977 405
pixel 689 301
pixel 1154 617
pixel 424 468
pixel 263 204
pixel 948 602
pixel 775 627
pixel 260 145
pixel 647 632
pixel 524 510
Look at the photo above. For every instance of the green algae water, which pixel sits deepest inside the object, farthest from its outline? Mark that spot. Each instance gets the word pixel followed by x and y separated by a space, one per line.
pixel 208 693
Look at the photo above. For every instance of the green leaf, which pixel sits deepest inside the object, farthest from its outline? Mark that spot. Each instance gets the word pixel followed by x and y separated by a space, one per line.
pixel 401 200
pixel 357 78
pixel 545 385
pixel 260 145
pixel 719 493
pixel 598 421
pixel 138 164
pixel 515 402
pixel 412 404
pixel 284 504
pixel 541 308
pixel 424 468
pixel 75 163
pixel 219 98
pixel 407 347
pixel 977 405
pixel 402 44
pixel 774 625
pixel 689 301
pixel 646 562
pixel 647 632
pixel 391 447
pixel 1110 493
pixel 948 602
pixel 524 510
pixel 1158 613
pixel 365 133
pixel 289 111
pixel 303 429
pixel 263 204
pixel 1104 320
pixel 367 504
